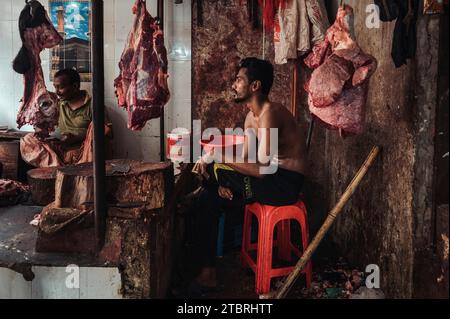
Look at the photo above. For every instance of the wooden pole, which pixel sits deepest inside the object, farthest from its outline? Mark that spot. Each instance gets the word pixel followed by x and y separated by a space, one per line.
pixel 162 130
pixel 98 114
pixel 281 293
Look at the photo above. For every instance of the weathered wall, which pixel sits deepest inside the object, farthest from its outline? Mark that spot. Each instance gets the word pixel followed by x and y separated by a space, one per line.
pixel 224 38
pixel 390 216
pixel 376 225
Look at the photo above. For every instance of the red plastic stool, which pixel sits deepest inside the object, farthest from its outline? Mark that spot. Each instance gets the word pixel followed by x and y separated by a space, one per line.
pixel 268 217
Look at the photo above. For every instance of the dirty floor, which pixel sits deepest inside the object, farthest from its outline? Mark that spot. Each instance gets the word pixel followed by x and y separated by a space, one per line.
pixel 333 278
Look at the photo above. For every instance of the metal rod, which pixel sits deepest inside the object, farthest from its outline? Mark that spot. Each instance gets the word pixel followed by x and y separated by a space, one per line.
pixel 98 110
pixel 162 131
pixel 294 90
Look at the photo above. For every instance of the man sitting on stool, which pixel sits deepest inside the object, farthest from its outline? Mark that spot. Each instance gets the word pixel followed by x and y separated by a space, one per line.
pixel 244 182
pixel 74 146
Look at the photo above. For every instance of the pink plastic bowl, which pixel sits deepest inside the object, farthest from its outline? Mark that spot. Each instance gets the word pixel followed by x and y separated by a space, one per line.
pixel 222 141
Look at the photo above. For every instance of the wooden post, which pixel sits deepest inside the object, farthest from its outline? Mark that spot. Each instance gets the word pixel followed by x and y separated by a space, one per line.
pixel 162 131
pixel 98 107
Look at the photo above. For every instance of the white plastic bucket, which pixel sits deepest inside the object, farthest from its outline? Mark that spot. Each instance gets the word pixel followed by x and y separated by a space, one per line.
pixel 178 144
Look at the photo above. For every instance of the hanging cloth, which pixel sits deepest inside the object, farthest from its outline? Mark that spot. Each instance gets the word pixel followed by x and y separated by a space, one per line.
pixel 269 8
pixel 317 14
pixel 299 25
pixel 405 32
pixel 285 32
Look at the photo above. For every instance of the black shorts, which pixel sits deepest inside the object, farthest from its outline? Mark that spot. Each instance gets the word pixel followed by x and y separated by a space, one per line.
pixel 278 189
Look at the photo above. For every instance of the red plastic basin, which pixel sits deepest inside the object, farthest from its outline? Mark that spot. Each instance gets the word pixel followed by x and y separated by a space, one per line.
pixel 222 141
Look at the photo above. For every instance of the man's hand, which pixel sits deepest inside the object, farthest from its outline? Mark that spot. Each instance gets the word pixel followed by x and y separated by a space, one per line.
pixel 69 139
pixel 41 134
pixel 200 167
pixel 225 193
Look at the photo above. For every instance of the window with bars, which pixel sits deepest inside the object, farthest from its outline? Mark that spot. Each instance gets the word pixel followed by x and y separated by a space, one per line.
pixel 72 19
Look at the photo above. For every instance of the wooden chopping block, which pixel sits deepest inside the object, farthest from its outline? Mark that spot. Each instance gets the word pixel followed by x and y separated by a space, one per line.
pixel 42 183
pixel 126 182
pixel 9 157
pixel 66 230
pixel 138 194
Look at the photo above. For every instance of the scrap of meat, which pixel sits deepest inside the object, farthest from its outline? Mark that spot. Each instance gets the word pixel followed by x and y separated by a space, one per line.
pixel 38 106
pixel 9 188
pixel 12 192
pixel 339 83
pixel 12 188
pixel 142 87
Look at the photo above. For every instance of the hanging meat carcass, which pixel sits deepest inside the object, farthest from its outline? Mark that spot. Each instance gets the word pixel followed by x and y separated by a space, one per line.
pixel 39 107
pixel 142 87
pixel 339 83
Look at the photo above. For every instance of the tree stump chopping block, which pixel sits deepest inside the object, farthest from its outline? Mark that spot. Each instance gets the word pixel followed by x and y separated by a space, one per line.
pixel 42 184
pixel 127 183
pixel 9 156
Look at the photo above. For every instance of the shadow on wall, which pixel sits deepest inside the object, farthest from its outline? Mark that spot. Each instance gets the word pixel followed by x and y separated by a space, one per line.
pixel 126 143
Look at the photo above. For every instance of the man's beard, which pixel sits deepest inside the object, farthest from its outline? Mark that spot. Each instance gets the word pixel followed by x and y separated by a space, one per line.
pixel 242 99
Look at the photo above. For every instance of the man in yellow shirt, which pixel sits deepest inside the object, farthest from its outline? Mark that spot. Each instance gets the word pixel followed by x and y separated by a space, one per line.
pixel 74 145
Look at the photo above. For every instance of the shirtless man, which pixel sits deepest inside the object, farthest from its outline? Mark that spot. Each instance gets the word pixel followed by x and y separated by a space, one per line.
pixel 237 182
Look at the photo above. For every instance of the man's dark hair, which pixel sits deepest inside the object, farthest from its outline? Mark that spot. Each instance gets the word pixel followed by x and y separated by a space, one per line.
pixel 72 75
pixel 259 70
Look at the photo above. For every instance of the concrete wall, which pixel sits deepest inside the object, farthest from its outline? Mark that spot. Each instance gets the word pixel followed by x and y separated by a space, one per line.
pixel 62 283
pixel 117 23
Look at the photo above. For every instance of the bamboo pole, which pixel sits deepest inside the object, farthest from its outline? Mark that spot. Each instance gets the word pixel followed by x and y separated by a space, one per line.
pixel 281 293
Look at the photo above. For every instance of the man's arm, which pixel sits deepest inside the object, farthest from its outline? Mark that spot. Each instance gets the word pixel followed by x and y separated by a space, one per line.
pixel 266 122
